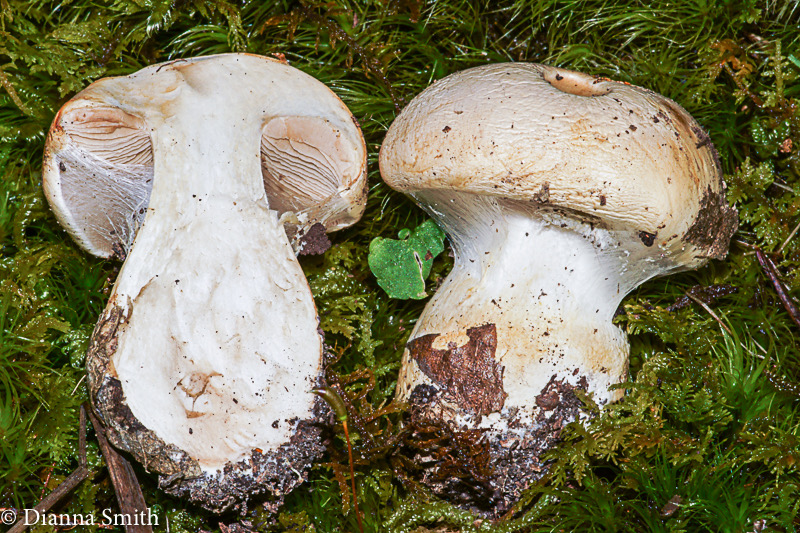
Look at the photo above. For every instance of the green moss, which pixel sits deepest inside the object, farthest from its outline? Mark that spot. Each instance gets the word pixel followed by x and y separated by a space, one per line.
pixel 706 438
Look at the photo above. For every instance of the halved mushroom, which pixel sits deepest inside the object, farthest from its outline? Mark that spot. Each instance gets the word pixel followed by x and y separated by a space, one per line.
pixel 560 193
pixel 202 363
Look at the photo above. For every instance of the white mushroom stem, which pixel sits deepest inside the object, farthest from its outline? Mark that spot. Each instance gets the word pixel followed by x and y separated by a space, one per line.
pixel 549 285
pixel 228 341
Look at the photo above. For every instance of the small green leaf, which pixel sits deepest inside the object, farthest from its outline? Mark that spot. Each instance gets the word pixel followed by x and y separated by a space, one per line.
pixel 401 266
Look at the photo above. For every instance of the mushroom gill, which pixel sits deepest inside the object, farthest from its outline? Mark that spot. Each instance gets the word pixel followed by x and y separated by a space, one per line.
pixel 108 152
pixel 304 161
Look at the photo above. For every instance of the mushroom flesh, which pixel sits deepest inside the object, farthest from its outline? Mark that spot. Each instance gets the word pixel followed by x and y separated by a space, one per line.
pixel 193 172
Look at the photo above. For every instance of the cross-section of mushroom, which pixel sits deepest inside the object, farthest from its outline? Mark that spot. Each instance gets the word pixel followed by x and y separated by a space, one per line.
pixel 202 363
pixel 560 193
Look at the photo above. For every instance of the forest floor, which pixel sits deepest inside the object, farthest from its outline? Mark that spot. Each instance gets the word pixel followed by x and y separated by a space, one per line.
pixel 707 437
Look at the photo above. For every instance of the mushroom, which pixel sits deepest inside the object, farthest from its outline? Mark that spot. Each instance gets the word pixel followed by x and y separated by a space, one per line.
pixel 561 193
pixel 202 364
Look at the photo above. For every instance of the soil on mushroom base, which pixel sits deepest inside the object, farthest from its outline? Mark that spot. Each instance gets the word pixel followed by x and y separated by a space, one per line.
pixel 512 459
pixel 315 241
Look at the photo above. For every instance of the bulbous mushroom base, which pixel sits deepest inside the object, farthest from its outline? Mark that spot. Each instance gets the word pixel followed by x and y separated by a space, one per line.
pixel 503 455
pixel 267 475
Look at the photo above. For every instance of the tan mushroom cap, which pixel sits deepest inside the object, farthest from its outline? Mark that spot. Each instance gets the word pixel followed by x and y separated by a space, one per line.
pixel 615 155
pixel 98 164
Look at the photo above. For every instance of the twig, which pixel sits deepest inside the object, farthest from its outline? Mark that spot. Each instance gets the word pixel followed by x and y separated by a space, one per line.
pixel 352 476
pixel 711 312
pixel 745 244
pixel 66 486
pixel 708 294
pixel 784 187
pixel 724 326
pixel 757 346
pixel 334 399
pixel 772 273
pixel 742 87
pixel 78 385
pixel 126 486
pixel 47 480
pixel 789 238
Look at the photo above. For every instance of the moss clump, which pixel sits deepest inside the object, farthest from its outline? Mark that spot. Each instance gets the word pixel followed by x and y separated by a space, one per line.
pixel 706 438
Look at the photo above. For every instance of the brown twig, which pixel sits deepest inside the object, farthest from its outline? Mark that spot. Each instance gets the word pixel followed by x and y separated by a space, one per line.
pixel 742 87
pixel 352 476
pixel 47 480
pixel 335 395
pixel 791 235
pixel 66 486
pixel 772 273
pixel 126 486
pixel 708 294
pixel 710 311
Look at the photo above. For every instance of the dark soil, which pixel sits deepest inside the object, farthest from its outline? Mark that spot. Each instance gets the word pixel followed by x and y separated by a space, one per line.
pixel 486 470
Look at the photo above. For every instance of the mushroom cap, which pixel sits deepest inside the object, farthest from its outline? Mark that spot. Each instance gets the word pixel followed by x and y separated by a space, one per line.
pixel 98 161
pixel 610 154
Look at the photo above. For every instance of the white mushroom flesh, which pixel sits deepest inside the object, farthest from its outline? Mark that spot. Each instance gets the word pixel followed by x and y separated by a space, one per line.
pixel 195 162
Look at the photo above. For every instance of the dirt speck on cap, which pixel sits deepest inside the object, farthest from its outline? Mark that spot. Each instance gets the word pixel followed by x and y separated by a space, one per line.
pixel 715 224
pixel 542 196
pixel 647 238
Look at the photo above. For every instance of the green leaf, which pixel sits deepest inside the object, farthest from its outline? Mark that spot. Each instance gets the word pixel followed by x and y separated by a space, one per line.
pixel 402 266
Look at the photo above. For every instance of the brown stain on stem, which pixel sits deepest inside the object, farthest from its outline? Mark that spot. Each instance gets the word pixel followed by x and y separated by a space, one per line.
pixel 468 374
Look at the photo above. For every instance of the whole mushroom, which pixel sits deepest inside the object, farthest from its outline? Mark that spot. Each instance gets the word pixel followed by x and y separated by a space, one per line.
pixel 193 172
pixel 560 192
